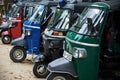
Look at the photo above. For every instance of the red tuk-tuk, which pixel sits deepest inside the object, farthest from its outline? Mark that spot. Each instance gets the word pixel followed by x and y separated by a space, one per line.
pixel 23 11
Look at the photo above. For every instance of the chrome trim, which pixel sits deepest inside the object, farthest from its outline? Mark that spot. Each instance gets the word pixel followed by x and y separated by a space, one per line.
pixel 31 26
pixel 82 43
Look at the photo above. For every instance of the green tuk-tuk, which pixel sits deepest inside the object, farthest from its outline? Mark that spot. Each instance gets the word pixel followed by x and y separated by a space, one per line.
pixel 92 46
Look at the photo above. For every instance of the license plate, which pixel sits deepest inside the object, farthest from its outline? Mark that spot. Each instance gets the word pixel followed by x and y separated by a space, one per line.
pixel 67 55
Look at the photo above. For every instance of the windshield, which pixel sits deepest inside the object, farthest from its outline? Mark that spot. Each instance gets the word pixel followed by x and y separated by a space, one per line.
pixel 81 24
pixel 12 8
pixel 37 15
pixel 60 19
pixel 15 10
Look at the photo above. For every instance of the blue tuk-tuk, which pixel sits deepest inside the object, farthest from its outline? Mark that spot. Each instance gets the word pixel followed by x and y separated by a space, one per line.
pixel 30 41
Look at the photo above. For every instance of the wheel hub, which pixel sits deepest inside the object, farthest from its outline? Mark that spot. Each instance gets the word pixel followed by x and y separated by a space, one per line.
pixel 6 38
pixel 41 69
pixel 59 78
pixel 18 54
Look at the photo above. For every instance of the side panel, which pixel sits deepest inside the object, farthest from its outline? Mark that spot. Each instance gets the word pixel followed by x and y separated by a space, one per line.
pixel 86 68
pixel 16 31
pixel 33 41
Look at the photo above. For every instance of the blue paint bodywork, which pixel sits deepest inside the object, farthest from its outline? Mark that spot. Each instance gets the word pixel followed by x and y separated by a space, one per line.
pixel 33 41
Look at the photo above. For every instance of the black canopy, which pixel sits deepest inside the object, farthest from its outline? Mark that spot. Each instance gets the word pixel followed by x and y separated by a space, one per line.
pixel 77 7
pixel 114 4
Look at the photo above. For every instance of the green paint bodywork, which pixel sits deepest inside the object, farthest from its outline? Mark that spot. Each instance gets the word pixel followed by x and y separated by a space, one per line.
pixel 87 68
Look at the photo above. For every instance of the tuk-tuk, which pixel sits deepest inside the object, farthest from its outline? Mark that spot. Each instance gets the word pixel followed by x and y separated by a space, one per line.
pixel 54 35
pixel 5 19
pixel 30 41
pixel 3 10
pixel 92 46
pixel 21 12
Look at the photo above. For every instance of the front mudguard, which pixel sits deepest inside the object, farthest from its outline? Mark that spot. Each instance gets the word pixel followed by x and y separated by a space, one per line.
pixel 62 65
pixel 19 41
pixel 4 26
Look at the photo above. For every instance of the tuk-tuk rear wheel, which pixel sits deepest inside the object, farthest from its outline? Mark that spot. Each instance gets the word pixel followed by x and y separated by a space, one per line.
pixel 17 54
pixel 40 70
pixel 60 76
pixel 6 39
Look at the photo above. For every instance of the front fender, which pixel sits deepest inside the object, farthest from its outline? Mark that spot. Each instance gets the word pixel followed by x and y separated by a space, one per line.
pixel 19 41
pixel 62 65
pixel 4 26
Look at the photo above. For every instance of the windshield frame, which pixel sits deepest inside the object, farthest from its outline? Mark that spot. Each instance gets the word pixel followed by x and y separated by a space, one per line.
pixel 32 18
pixel 91 7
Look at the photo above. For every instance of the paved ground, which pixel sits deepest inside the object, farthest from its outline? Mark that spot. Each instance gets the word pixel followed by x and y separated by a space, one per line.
pixel 14 71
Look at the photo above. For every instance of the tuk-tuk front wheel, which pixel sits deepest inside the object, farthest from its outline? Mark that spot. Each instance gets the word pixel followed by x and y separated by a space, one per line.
pixel 17 54
pixel 6 39
pixel 40 70
pixel 60 76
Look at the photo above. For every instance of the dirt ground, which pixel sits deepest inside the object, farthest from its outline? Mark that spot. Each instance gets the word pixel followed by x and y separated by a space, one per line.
pixel 14 71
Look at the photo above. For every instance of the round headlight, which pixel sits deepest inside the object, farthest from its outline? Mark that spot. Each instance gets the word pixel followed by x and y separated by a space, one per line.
pixel 28 32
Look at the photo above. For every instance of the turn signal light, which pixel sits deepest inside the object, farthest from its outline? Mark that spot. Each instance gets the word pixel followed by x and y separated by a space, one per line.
pixel 57 33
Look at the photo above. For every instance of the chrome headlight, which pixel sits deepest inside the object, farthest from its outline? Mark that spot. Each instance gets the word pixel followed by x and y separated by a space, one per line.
pixel 28 32
pixel 67 55
pixel 79 52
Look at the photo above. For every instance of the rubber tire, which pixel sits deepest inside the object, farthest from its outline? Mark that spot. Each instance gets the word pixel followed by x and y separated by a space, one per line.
pixel 54 75
pixel 12 55
pixel 4 42
pixel 35 72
